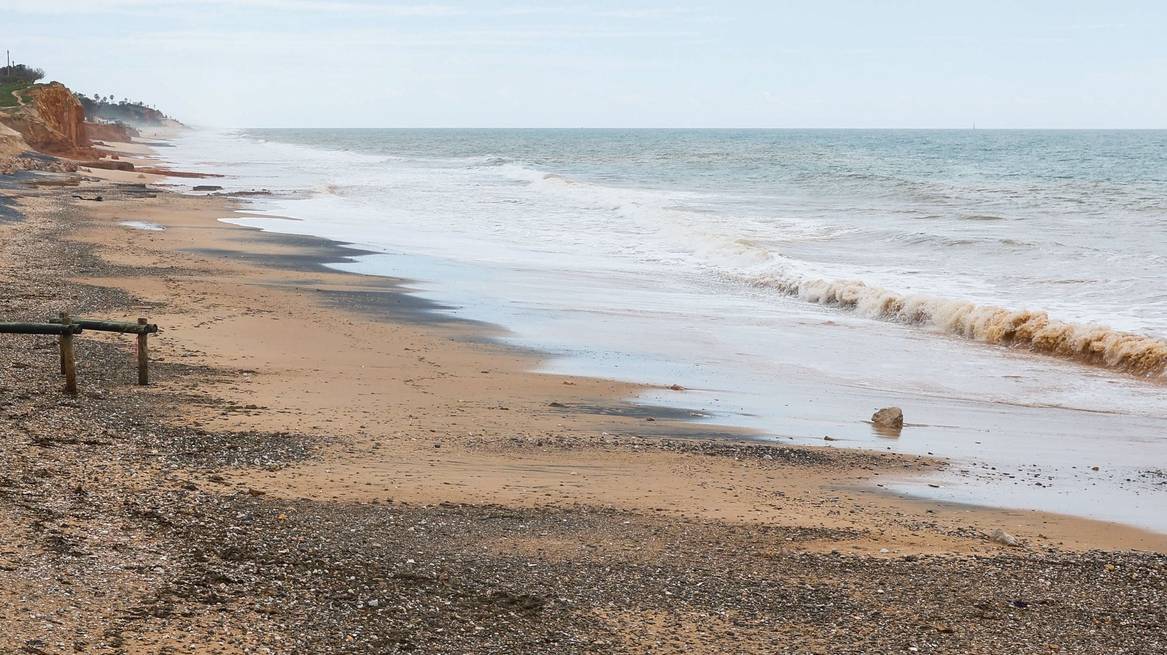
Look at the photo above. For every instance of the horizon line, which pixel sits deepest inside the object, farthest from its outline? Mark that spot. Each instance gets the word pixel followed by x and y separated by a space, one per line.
pixel 725 128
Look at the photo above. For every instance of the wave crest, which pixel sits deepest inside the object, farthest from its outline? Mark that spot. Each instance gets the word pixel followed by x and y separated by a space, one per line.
pixel 1128 352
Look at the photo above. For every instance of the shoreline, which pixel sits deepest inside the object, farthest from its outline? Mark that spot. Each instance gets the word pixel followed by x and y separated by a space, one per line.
pixel 1006 415
pixel 609 400
pixel 435 469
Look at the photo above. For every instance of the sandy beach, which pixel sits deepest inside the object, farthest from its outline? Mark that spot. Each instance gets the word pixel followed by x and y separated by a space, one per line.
pixel 326 463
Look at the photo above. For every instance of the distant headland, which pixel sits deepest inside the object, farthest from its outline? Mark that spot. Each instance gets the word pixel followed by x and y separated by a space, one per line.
pixel 46 126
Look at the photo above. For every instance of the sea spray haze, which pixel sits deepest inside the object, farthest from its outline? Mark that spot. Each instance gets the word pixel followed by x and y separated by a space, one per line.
pixel 799 275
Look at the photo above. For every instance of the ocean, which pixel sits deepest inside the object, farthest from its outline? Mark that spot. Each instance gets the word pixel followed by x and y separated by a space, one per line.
pixel 1006 288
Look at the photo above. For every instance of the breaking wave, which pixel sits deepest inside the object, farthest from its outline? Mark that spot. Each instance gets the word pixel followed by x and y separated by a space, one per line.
pixel 1032 330
pixel 1035 331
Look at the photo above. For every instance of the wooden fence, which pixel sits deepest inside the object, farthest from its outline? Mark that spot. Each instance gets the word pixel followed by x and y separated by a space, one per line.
pixel 66 328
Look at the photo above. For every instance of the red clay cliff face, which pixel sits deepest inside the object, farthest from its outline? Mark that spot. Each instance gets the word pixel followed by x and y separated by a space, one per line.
pixel 51 120
pixel 110 132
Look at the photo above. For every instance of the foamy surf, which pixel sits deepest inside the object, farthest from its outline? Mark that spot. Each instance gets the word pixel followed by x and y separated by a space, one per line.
pixel 1032 330
pixel 749 232
pixel 1035 331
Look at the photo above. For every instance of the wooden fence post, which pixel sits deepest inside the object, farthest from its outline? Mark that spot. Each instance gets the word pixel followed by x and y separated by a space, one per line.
pixel 68 364
pixel 64 319
pixel 143 355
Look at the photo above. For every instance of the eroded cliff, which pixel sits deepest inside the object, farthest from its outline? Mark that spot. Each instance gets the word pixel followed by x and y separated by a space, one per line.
pixel 51 120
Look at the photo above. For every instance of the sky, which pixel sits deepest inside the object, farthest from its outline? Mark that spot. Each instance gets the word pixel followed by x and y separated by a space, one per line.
pixel 637 63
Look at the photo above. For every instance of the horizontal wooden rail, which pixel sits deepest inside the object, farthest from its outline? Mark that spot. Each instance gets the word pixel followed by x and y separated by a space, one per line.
pixel 142 328
pixel 65 327
pixel 55 328
pixel 113 326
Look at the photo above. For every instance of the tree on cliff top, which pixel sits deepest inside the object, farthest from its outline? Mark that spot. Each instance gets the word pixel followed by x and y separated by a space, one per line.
pixel 19 73
pixel 105 108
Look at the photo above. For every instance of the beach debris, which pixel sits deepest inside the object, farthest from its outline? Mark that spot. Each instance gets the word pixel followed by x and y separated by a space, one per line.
pixel 207 187
pixel 1004 538
pixel 107 165
pixel 556 404
pixel 829 438
pixel 676 387
pixel 889 417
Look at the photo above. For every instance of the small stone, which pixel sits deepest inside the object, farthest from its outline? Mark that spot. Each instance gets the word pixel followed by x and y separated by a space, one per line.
pixel 1002 537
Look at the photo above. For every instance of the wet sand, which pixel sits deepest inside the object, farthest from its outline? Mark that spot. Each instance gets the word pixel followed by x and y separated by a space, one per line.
pixel 406 457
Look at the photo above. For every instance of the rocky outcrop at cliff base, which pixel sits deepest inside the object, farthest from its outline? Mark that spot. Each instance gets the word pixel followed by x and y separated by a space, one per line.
pixel 118 132
pixel 15 155
pixel 11 143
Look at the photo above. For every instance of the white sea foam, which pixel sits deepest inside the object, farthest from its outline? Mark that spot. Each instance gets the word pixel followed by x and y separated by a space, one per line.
pixel 143 225
pixel 713 232
pixel 732 256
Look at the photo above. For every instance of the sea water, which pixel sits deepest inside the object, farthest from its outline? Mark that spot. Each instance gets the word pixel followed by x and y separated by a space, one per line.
pixel 1008 289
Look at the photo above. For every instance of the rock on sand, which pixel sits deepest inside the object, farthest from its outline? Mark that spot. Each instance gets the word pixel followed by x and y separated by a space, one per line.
pixel 889 417
pixel 1004 538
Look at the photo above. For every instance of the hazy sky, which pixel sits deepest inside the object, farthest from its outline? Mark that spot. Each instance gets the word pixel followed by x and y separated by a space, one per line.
pixel 638 63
